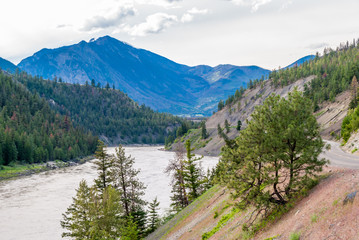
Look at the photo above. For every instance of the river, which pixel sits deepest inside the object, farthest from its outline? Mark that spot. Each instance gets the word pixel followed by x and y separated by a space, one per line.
pixel 31 207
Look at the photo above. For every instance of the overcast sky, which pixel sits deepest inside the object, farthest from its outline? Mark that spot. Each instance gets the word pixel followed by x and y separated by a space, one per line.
pixel 267 33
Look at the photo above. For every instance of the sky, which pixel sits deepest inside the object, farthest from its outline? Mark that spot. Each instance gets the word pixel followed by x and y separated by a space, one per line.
pixel 266 33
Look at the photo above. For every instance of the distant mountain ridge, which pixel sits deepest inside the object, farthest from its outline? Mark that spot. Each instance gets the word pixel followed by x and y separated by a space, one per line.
pixel 7 65
pixel 145 76
pixel 301 61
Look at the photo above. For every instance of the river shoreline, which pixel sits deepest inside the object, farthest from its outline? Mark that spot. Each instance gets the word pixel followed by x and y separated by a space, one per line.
pixel 21 170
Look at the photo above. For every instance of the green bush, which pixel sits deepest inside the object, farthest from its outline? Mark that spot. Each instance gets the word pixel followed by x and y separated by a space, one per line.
pixel 294 236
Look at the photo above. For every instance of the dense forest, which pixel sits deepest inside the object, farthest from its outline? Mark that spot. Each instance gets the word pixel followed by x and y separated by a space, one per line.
pixel 30 132
pixel 334 71
pixel 106 112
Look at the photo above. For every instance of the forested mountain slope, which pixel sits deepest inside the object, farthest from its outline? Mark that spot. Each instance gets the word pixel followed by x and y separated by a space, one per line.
pixel 106 112
pixel 325 80
pixel 31 132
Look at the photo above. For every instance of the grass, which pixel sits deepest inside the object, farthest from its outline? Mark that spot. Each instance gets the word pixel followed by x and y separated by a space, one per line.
pixel 7 172
pixel 294 236
pixel 314 218
pixel 164 230
pixel 319 113
pixel 226 218
pixel 335 202
pixel 354 150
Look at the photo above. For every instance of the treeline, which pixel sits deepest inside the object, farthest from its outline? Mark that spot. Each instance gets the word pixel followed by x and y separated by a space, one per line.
pixel 106 112
pixel 334 71
pixel 30 132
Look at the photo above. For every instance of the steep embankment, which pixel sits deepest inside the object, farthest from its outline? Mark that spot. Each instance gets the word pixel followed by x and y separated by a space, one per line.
pixel 323 214
pixel 330 116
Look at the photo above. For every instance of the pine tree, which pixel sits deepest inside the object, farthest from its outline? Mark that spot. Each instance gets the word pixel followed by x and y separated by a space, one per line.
pixel 192 173
pixel 276 155
pixel 239 125
pixel 126 181
pixel 93 215
pixel 153 216
pixel 227 126
pixel 130 231
pixel 104 162
pixel 176 169
pixel 220 105
pixel 78 217
pixel 354 92
pixel 204 130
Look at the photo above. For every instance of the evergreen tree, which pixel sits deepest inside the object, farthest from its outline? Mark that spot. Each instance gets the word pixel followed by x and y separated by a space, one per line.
pixel 154 219
pixel 204 130
pixel 276 155
pixel 227 126
pixel 126 181
pixel 192 174
pixel 130 231
pixel 220 105
pixel 354 92
pixel 239 125
pixel 93 216
pixel 176 169
pixel 104 162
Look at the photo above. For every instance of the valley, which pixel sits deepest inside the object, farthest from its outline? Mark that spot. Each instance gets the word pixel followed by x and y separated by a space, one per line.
pixel 58 106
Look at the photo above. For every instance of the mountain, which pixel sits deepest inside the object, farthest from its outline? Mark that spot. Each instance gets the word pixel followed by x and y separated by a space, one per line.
pixel 7 65
pixel 301 61
pixel 145 76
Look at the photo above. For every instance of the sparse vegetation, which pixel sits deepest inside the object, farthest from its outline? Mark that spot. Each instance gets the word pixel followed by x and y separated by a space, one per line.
pixel 314 218
pixel 294 236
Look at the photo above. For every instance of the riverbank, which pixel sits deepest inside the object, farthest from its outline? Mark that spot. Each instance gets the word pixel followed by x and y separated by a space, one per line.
pixel 19 170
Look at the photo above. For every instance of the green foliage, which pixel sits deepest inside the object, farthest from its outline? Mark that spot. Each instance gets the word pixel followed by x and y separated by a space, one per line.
pixel 239 125
pixel 113 207
pixel 154 219
pixel 350 123
pixel 334 71
pixel 130 231
pixel 222 222
pixel 281 142
pixel 192 174
pixel 30 132
pixel 226 126
pixel 204 133
pixel 220 105
pixel 93 216
pixel 104 112
pixel 103 163
pixel 314 218
pixel 294 236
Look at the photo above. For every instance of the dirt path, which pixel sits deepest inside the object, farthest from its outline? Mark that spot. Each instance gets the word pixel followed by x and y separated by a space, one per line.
pixel 339 158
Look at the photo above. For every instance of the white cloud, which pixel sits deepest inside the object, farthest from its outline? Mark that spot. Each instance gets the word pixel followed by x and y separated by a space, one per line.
pixel 162 3
pixel 286 4
pixel 187 18
pixel 113 20
pixel 197 11
pixel 254 4
pixel 154 23
pixel 189 15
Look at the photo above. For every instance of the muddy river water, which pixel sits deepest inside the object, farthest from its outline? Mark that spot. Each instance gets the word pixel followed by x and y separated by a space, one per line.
pixel 31 207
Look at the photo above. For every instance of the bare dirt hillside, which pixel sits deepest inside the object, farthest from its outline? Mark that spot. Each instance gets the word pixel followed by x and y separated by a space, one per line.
pixel 330 116
pixel 323 214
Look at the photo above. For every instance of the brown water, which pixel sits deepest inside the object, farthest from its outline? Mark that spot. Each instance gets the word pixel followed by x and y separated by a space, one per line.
pixel 31 207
